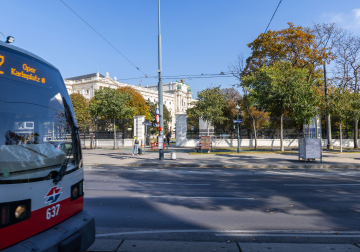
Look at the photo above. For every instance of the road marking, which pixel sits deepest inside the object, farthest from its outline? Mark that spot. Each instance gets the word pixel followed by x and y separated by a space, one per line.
pixel 172 183
pixel 279 233
pixel 321 184
pixel 289 235
pixel 155 232
pixel 190 197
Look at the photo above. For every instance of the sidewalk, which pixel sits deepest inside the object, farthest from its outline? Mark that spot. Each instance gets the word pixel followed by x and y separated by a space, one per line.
pixel 124 157
pixel 174 246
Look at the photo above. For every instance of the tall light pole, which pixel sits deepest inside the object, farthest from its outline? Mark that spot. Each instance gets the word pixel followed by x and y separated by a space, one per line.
pixel 328 120
pixel 237 108
pixel 160 93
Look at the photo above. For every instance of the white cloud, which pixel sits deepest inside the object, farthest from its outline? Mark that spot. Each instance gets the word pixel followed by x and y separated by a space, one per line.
pixel 349 20
pixel 356 13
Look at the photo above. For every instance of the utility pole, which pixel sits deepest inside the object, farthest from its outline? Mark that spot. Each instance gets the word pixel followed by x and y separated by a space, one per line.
pixel 160 93
pixel 328 121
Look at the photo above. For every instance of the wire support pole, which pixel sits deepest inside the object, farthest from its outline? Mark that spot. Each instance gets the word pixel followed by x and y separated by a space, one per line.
pixel 160 93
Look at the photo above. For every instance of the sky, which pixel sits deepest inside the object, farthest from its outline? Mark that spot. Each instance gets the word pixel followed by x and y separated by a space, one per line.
pixel 200 38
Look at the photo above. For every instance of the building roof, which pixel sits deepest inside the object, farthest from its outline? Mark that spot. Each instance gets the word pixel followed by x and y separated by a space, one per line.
pixel 86 76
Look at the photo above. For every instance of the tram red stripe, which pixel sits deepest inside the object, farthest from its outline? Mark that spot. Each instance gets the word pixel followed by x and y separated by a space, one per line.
pixel 38 223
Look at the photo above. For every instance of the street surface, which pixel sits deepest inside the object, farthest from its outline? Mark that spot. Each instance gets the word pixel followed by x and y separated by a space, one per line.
pixel 227 205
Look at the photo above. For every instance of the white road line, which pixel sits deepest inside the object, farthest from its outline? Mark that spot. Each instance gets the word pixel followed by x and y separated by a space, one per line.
pixel 279 233
pixel 320 185
pixel 155 232
pixel 172 183
pixel 190 197
pixel 289 235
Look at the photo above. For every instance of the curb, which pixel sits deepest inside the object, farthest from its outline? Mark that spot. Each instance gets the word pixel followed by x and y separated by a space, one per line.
pixel 244 166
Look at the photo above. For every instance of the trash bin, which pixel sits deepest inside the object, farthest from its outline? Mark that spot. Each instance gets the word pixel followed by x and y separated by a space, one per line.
pixel 173 155
pixel 140 151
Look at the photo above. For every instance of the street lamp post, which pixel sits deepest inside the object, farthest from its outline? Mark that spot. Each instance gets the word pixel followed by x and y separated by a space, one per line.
pixel 96 119
pixel 237 108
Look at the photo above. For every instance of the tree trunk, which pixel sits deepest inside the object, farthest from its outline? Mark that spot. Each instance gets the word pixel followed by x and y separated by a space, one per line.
pixel 356 134
pixel 254 127
pixel 114 134
pixel 208 126
pixel 340 137
pixel 281 133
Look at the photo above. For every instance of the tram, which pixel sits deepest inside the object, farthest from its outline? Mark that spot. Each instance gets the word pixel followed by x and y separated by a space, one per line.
pixel 41 169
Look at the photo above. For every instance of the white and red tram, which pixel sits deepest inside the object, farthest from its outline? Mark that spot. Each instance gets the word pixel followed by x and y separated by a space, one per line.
pixel 41 172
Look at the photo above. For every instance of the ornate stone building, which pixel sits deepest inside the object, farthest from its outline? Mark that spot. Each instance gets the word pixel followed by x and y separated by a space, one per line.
pixel 177 96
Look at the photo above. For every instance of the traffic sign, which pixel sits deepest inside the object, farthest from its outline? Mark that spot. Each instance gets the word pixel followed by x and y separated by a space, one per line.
pixel 157 118
pixel 238 121
pixel 157 111
pixel 147 123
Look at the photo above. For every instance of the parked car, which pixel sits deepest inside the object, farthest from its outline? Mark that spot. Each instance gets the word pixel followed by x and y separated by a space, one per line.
pixel 64 146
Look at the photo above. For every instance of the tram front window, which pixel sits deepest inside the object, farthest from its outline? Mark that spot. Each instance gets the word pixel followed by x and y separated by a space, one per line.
pixel 36 131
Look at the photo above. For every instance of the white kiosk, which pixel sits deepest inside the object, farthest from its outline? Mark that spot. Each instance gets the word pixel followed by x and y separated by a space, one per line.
pixel 310 146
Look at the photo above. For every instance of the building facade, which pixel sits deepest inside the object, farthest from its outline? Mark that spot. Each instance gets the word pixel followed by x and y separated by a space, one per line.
pixel 177 96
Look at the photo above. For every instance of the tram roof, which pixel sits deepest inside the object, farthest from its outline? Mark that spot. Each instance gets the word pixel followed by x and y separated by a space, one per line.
pixel 15 48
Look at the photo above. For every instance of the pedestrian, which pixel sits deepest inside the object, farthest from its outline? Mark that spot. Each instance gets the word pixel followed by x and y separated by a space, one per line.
pixel 168 138
pixel 136 146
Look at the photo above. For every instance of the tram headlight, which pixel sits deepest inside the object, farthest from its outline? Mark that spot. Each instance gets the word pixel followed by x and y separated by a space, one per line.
pixel 14 212
pixel 77 190
pixel 74 192
pixel 20 212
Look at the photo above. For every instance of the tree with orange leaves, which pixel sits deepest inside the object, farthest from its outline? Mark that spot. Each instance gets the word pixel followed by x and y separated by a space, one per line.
pixel 137 101
pixel 296 45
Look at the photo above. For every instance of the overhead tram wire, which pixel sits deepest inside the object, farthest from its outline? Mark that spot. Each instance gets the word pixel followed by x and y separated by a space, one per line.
pixel 103 38
pixel 185 76
pixel 273 16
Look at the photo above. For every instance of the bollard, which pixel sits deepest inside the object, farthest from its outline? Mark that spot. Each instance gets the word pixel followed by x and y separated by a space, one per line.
pixel 173 155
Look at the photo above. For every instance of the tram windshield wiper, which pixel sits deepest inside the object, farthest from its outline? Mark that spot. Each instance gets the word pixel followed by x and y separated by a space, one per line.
pixel 64 165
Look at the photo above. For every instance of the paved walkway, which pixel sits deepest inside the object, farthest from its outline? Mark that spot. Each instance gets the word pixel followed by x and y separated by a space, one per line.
pixel 123 157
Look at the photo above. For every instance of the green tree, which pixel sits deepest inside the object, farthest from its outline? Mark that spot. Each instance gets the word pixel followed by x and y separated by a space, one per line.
pixel 258 118
pixel 210 106
pixel 339 106
pixel 81 109
pixel 167 117
pixel 232 98
pixel 110 104
pixel 281 89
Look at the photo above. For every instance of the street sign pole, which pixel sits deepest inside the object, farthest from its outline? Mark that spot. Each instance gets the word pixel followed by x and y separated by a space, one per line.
pixel 160 91
pixel 238 148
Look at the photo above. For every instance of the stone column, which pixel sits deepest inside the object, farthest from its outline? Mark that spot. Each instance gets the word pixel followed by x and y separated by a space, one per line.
pixel 181 128
pixel 139 127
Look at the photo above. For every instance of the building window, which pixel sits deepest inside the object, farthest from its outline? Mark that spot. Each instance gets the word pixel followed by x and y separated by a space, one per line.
pixel 87 91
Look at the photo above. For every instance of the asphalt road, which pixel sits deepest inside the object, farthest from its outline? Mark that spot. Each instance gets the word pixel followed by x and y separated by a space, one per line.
pixel 223 205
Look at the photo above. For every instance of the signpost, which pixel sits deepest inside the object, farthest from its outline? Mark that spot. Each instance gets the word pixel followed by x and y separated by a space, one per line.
pixel 157 118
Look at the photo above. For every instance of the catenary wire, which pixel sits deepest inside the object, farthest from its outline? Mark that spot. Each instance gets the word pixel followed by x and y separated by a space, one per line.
pixel 103 38
pixel 185 76
pixel 273 16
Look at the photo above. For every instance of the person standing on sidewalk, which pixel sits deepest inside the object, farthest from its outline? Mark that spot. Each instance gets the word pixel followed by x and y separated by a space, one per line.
pixel 136 146
pixel 168 138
